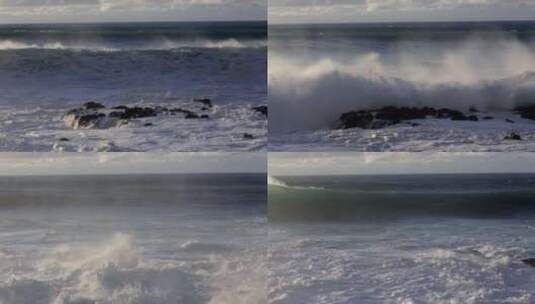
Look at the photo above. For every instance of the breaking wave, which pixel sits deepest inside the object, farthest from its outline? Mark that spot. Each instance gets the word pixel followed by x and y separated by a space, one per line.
pixel 115 271
pixel 163 45
pixel 311 94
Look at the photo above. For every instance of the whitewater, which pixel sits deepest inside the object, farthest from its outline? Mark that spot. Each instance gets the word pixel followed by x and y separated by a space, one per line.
pixel 402 239
pixel 133 239
pixel 487 66
pixel 47 70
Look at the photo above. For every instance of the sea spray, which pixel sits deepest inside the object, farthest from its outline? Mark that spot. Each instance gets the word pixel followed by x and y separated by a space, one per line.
pixel 311 92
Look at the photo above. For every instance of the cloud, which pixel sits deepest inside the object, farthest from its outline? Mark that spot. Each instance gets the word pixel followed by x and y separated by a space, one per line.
pixel 290 11
pixel 22 11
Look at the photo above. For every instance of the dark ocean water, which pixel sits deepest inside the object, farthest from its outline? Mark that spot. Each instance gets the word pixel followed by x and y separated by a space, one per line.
pixel 401 239
pixel 128 62
pixel 390 197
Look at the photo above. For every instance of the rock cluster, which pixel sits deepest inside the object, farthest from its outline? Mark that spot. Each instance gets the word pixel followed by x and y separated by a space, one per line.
pixel 387 116
pixel 95 115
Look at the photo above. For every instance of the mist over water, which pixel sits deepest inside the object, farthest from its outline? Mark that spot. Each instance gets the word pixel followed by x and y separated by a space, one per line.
pixel 133 239
pixel 313 78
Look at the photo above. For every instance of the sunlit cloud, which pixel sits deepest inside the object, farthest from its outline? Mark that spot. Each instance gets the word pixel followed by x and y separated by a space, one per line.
pixel 299 11
pixel 22 11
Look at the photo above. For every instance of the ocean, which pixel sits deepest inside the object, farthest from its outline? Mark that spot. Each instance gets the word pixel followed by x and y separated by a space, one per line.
pixel 47 70
pixel 317 72
pixel 401 239
pixel 133 239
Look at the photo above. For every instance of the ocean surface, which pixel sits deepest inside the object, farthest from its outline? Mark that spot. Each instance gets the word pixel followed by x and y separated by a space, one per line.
pixel 133 239
pixel 46 70
pixel 318 72
pixel 402 239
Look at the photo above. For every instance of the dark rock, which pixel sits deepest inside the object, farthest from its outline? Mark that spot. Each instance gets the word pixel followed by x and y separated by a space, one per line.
pixel 386 116
pixel 451 114
pixel 396 115
pixel 149 124
pixel 191 115
pixel 527 112
pixel 204 101
pixel 135 112
pixel 204 109
pixel 509 120
pixel 120 107
pixel 247 136
pixel 64 139
pixel 512 136
pixel 415 124
pixel 356 119
pixel 93 105
pixel 529 261
pixel 89 120
pixel 204 116
pixel 488 118
pixel 261 109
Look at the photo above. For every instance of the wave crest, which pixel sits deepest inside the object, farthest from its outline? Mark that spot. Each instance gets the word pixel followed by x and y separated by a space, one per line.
pixel 311 94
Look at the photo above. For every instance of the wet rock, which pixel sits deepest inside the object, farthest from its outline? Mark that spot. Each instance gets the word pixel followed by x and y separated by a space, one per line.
pixel 247 136
pixel 205 101
pixel 529 261
pixel 527 112
pixel 120 108
pixel 82 118
pixel 356 119
pixel 64 139
pixel 509 120
pixel 512 136
pixel 92 105
pixel 386 116
pixel 191 115
pixel 204 116
pixel 134 112
pixel 262 110
pixel 149 124
pixel 488 118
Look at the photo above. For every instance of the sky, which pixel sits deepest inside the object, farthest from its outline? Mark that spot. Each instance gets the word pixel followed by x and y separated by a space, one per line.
pixel 14 164
pixel 283 164
pixel 348 11
pixel 47 11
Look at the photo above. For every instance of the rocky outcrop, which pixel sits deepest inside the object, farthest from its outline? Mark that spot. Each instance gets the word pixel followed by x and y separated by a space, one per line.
pixel 512 136
pixel 262 110
pixel 205 101
pixel 95 115
pixel 92 105
pixel 387 116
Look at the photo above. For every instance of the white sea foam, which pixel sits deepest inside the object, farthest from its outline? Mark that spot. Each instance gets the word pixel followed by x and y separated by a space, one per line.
pixel 272 181
pixel 163 45
pixel 115 271
pixel 311 94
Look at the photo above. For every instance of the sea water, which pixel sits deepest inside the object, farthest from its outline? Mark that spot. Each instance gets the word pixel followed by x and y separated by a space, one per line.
pixel 133 239
pixel 402 239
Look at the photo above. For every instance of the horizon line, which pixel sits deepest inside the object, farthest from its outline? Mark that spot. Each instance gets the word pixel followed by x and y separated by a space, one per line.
pixel 399 22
